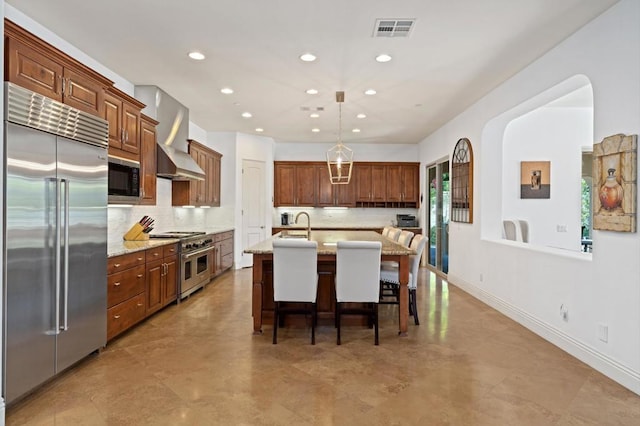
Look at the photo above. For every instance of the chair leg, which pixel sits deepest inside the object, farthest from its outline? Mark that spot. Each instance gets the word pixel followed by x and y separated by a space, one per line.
pixel 275 323
pixel 375 322
pixel 413 305
pixel 338 321
pixel 314 319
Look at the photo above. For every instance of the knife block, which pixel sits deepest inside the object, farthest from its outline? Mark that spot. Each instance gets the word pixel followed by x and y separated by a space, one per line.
pixel 135 233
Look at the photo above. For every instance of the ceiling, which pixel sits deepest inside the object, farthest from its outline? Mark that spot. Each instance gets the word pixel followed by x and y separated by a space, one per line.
pixel 456 52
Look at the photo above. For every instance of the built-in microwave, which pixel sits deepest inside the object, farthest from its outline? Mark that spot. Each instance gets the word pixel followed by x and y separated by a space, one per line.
pixel 124 180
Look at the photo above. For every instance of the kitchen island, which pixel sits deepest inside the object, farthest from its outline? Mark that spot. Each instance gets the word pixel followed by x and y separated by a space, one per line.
pixel 262 293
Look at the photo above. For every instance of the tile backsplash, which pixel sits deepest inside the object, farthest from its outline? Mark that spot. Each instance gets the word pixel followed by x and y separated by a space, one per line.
pixel 351 217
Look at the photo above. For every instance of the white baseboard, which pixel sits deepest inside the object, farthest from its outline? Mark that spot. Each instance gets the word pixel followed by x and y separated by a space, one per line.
pixel 1 411
pixel 611 368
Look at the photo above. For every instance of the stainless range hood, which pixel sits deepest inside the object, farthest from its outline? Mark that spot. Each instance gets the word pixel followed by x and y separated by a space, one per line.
pixel 172 134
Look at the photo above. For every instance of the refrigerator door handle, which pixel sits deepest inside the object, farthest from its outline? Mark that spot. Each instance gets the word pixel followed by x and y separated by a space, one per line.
pixel 57 259
pixel 65 298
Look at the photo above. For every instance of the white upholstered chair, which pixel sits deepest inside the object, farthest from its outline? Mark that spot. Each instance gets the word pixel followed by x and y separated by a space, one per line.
pixel 394 234
pixel 405 238
pixel 390 276
pixel 358 280
pixel 295 279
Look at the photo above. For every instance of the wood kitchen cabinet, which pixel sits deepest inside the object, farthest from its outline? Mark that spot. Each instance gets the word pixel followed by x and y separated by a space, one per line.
pixel 148 160
pixel 200 193
pixel 138 285
pixel 123 114
pixel 370 184
pixel 329 195
pixel 295 184
pixel 125 292
pixel 402 183
pixel 34 64
pixel 161 277
pixel 222 256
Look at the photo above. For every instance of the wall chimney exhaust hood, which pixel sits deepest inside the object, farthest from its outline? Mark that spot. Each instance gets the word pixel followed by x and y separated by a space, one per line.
pixel 172 134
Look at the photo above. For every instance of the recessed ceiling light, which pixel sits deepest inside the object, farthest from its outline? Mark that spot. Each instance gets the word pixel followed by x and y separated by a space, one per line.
pixel 315 130
pixel 247 115
pixel 356 130
pixel 312 92
pixel 196 55
pixel 308 57
pixel 383 58
pixel 370 92
pixel 259 129
pixel 226 90
pixel 361 115
pixel 314 115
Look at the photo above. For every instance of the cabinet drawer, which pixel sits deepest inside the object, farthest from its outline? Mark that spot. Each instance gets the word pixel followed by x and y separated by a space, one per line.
pixel 123 285
pixel 223 236
pixel 169 250
pixel 226 247
pixel 124 315
pixel 154 254
pixel 126 261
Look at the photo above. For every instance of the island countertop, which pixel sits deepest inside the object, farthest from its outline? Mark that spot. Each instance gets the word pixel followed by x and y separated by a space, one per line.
pixel 327 241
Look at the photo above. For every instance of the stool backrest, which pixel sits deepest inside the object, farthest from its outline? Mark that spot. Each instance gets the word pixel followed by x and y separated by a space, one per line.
pixel 358 271
pixel 295 270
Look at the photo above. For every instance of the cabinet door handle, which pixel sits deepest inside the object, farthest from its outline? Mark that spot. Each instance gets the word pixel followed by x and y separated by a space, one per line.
pixel 156 254
pixel 139 275
pixel 139 304
pixel 126 133
pixel 116 284
pixel 62 85
pixel 139 259
pixel 116 317
pixel 117 265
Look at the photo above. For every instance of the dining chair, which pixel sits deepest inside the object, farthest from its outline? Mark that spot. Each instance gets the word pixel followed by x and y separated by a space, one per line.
pixel 405 238
pixel 358 280
pixel 295 279
pixel 394 234
pixel 390 276
pixel 385 231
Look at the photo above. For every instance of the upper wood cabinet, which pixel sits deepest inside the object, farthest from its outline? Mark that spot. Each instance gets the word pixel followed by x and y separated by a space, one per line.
pixel 148 161
pixel 36 65
pixel 402 183
pixel 372 185
pixel 295 184
pixel 123 114
pixel 200 193
pixel 329 195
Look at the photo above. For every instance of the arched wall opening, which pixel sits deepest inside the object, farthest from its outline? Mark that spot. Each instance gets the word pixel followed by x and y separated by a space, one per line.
pixel 555 126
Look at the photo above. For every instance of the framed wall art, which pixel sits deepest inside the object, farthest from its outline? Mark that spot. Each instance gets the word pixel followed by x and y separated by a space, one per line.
pixel 535 179
pixel 614 183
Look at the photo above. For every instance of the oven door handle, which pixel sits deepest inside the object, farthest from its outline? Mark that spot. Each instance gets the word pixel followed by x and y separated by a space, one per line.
pixel 195 253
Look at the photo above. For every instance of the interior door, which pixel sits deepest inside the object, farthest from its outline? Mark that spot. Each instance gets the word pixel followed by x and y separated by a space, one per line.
pixel 438 216
pixel 253 207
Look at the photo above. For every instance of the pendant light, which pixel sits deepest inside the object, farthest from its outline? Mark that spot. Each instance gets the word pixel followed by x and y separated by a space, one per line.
pixel 339 157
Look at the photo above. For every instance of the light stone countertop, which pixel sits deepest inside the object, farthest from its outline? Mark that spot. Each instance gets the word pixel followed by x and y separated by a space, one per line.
pixel 327 242
pixel 117 248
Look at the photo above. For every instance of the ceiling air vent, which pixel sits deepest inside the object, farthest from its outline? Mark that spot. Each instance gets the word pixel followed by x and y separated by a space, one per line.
pixel 393 27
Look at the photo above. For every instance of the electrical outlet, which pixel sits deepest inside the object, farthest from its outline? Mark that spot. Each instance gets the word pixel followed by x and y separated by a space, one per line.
pixel 481 278
pixel 603 332
pixel 564 312
pixel 561 228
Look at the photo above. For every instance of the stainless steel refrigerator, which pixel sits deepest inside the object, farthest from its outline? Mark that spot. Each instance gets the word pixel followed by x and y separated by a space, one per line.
pixel 55 238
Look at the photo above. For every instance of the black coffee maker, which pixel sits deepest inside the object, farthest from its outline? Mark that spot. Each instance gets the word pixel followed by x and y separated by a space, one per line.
pixel 284 219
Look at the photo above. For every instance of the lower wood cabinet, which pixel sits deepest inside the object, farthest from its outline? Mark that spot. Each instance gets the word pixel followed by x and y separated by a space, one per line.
pixel 222 253
pixel 140 284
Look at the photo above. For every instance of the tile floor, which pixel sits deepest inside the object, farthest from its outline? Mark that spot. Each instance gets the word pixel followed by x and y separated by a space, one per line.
pixel 198 363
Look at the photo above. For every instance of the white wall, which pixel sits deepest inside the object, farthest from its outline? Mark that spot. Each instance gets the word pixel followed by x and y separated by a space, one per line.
pixel 555 134
pixel 530 283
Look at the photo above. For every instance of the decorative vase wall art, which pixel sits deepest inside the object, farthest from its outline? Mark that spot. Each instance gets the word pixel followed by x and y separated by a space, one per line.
pixel 614 183
pixel 535 179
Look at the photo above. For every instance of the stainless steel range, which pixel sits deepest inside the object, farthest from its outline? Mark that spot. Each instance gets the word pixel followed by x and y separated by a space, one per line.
pixel 196 254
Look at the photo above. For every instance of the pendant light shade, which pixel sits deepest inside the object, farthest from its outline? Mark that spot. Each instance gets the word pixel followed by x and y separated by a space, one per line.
pixel 340 157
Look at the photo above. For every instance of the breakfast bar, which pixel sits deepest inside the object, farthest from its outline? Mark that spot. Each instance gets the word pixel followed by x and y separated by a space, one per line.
pixel 262 294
